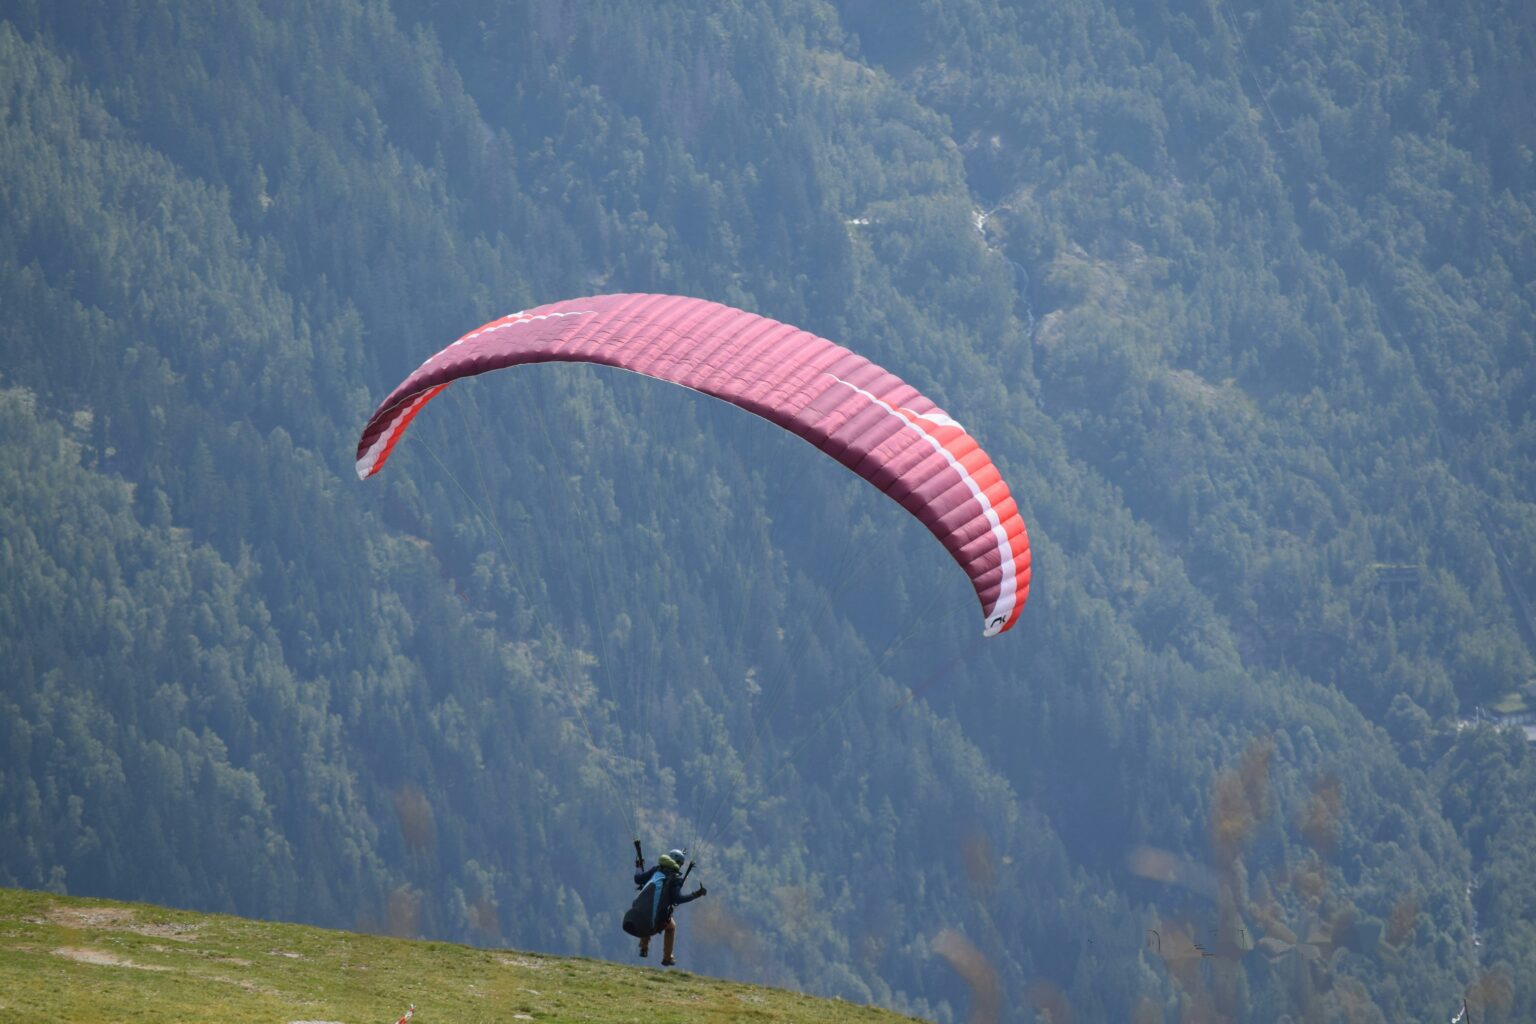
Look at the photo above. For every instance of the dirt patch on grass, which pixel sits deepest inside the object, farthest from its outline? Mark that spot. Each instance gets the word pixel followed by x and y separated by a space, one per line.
pixel 86 917
pixel 101 957
pixel 519 961
pixel 119 919
pixel 174 932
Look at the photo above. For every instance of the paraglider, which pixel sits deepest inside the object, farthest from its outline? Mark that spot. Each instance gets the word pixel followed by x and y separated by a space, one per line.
pixel 864 416
pixel 660 893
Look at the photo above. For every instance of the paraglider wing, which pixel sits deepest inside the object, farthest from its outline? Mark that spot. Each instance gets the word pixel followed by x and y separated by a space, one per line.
pixel 860 414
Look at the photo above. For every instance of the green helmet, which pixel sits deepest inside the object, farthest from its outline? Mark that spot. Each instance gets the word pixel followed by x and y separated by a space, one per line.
pixel 666 863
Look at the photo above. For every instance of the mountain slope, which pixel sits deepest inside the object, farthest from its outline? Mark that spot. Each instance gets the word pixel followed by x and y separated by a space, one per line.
pixel 1263 394
pixel 98 960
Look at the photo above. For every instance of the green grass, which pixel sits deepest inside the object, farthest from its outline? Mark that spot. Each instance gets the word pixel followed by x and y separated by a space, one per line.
pixel 84 960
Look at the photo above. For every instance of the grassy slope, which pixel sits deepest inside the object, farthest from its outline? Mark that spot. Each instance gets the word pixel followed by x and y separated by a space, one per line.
pixel 81 960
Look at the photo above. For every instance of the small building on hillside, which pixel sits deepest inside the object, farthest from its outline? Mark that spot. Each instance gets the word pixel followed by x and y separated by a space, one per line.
pixel 1516 711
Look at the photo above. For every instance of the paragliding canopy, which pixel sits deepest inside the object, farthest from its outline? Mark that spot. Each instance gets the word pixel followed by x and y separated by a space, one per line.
pixel 862 415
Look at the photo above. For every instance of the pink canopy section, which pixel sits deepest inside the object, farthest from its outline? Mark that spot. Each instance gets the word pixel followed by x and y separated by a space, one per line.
pixel 862 415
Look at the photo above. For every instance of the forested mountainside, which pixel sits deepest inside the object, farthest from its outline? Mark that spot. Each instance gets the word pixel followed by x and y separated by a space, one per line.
pixel 1239 296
